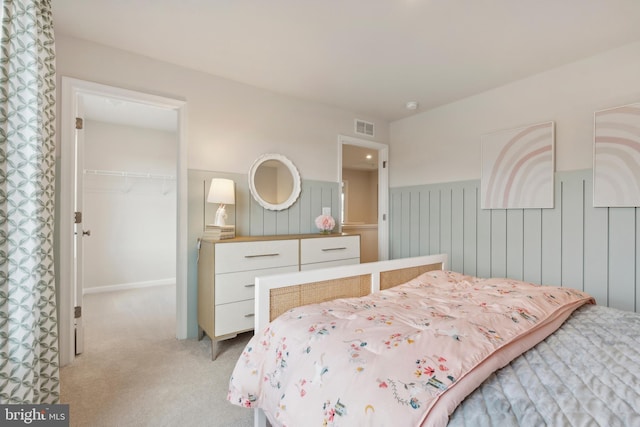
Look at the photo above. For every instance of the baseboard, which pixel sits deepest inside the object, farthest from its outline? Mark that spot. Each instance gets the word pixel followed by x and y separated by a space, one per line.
pixel 128 286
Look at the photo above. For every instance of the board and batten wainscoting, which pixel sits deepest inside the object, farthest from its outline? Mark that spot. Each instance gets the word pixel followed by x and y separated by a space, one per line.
pixel 250 219
pixel 300 217
pixel 573 245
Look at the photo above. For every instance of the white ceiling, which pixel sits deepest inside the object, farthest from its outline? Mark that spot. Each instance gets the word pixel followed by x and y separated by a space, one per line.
pixel 366 56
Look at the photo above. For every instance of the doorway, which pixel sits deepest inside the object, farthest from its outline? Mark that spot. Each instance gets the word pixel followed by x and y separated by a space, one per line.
pixel 365 194
pixel 87 98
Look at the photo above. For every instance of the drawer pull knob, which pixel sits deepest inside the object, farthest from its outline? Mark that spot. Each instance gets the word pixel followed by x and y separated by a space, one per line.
pixel 250 285
pixel 334 249
pixel 260 255
pixel 249 315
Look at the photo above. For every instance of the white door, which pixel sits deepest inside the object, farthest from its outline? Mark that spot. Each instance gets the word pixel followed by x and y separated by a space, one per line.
pixel 79 232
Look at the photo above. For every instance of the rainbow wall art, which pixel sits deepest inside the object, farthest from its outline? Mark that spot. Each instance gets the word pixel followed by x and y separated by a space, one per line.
pixel 616 157
pixel 518 168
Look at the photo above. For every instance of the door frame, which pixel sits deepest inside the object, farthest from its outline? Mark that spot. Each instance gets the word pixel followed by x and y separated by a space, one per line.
pixel 71 90
pixel 383 187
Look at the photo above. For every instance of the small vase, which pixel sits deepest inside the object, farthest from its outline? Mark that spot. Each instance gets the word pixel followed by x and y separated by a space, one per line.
pixel 325 231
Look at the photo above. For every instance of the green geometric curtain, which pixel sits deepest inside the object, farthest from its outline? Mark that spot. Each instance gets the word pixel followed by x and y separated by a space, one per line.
pixel 29 369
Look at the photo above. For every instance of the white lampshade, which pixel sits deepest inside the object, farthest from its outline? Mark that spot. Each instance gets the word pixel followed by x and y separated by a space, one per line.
pixel 222 191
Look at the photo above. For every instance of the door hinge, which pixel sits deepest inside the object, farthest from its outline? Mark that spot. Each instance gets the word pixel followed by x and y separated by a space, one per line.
pixel 77 218
pixel 384 164
pixel 77 312
pixel 79 123
pixel 384 217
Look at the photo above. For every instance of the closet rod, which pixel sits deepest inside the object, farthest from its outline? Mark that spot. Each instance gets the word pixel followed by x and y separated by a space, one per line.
pixel 128 174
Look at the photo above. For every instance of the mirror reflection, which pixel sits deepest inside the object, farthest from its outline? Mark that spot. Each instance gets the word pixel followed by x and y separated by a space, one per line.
pixel 274 182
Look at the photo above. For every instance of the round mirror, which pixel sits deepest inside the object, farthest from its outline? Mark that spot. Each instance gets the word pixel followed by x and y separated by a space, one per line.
pixel 274 182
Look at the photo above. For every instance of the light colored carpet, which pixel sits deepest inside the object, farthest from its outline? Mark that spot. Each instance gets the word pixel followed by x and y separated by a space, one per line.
pixel 134 372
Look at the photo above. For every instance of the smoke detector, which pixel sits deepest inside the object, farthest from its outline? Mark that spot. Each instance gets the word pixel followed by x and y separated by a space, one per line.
pixel 412 105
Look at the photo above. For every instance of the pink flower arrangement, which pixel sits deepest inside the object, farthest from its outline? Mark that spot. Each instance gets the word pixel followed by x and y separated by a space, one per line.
pixel 325 223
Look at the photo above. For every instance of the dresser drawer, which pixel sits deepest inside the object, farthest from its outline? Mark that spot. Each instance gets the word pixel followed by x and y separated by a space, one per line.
pixel 317 265
pixel 240 286
pixel 243 256
pixel 323 249
pixel 234 317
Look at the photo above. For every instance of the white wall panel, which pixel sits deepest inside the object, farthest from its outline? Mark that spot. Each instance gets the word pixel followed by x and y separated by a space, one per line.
pixel 622 257
pixel 483 254
pixel 445 221
pixel 573 245
pixel 596 247
pixel 532 251
pixel 470 237
pixel 552 239
pixel 423 223
pixel 515 243
pixel 457 230
pixel 434 221
pixel 573 204
pixel 414 222
pixel 499 243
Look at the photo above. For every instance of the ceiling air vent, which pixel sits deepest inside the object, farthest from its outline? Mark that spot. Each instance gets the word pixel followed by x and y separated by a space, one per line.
pixel 364 128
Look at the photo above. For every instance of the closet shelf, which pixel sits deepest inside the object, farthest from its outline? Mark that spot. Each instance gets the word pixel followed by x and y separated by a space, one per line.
pixel 126 174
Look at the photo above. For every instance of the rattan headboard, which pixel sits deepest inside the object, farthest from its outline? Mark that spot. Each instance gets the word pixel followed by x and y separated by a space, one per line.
pixel 284 299
pixel 280 293
pixel 389 279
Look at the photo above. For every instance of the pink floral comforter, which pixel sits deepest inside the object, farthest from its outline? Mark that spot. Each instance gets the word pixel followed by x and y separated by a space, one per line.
pixel 403 356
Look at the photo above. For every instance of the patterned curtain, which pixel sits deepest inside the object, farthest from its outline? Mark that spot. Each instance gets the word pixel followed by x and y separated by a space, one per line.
pixel 29 371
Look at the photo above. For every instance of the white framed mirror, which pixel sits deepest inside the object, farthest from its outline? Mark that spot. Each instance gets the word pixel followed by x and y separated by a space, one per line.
pixel 274 182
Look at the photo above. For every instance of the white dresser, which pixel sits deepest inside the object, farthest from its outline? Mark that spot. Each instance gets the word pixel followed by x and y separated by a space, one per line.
pixel 227 269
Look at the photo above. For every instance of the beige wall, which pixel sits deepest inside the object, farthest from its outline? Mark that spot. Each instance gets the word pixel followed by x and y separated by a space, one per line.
pixel 362 196
pixel 443 144
pixel 229 124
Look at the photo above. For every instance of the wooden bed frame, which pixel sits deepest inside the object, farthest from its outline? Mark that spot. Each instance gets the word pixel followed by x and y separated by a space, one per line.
pixel 278 293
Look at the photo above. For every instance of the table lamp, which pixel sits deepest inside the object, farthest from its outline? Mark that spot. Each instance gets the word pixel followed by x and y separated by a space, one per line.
pixel 222 191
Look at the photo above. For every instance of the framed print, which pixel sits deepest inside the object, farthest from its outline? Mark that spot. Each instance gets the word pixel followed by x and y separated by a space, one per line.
pixel 518 167
pixel 616 157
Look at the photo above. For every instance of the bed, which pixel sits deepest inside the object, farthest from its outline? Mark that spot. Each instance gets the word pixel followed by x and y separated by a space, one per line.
pixel 407 342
